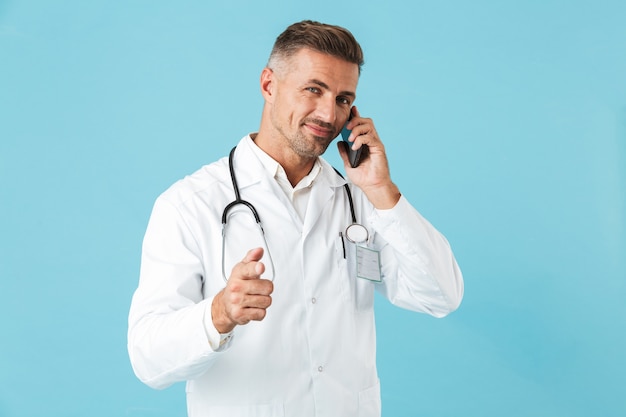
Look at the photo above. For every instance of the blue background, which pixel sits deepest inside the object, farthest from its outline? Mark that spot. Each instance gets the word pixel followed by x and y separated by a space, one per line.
pixel 505 124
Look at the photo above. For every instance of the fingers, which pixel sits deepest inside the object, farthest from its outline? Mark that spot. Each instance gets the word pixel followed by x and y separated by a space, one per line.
pixel 248 300
pixel 250 267
pixel 246 296
pixel 253 255
pixel 372 175
pixel 363 131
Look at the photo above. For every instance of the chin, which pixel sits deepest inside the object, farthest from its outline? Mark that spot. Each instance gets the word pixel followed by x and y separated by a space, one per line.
pixel 320 145
pixel 310 147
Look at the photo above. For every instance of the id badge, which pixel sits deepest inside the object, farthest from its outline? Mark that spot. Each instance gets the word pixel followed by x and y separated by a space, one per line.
pixel 368 264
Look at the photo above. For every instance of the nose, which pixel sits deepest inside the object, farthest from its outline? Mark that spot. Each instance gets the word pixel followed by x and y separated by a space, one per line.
pixel 327 110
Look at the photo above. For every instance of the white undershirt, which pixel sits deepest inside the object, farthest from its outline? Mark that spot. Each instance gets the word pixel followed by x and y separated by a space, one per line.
pixel 298 195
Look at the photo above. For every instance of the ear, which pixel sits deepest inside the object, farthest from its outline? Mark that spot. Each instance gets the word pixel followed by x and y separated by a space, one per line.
pixel 268 84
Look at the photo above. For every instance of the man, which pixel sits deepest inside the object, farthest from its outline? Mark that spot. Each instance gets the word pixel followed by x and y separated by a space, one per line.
pixel 285 327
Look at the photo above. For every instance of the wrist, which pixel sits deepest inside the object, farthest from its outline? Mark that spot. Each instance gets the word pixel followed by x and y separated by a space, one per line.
pixel 383 197
pixel 220 319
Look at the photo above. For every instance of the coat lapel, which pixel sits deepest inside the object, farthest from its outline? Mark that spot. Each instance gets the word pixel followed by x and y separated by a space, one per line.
pixel 322 195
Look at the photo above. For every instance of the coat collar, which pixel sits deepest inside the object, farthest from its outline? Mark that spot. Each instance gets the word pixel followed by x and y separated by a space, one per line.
pixel 250 170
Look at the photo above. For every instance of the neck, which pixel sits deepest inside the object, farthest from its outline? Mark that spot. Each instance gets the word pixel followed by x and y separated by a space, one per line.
pixel 296 167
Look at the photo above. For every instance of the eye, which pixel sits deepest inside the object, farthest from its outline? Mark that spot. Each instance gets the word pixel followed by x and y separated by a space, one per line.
pixel 343 100
pixel 313 90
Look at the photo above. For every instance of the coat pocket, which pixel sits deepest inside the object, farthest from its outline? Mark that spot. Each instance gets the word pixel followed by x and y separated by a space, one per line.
pixel 369 402
pixel 358 292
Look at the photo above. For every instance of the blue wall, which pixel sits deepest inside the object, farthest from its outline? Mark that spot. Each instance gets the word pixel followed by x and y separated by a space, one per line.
pixel 505 125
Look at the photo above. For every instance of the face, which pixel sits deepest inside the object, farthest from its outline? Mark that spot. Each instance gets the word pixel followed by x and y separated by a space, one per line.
pixel 311 98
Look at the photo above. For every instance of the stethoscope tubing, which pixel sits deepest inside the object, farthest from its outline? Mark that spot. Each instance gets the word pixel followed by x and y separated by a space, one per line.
pixel 362 231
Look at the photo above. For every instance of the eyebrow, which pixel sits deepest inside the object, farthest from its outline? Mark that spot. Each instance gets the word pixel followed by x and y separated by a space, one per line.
pixel 325 86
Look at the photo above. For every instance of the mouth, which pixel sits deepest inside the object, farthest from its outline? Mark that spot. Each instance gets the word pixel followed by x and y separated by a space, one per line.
pixel 320 130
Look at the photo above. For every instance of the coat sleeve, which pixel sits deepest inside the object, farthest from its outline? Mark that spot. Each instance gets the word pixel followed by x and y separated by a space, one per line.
pixel 167 337
pixel 419 270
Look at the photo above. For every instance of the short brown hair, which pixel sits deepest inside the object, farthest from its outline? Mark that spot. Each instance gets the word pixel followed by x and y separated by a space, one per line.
pixel 320 37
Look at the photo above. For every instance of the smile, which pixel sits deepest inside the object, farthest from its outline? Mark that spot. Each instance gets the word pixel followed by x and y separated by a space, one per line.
pixel 320 131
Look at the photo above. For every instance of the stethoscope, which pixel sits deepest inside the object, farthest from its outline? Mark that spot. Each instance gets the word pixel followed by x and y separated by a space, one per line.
pixel 355 232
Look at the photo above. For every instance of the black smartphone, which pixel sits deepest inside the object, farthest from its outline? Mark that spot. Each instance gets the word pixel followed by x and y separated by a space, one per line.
pixel 353 156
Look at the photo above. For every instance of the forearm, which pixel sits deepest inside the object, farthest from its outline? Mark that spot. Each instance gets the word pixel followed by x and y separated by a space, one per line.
pixel 171 347
pixel 383 196
pixel 167 337
pixel 420 270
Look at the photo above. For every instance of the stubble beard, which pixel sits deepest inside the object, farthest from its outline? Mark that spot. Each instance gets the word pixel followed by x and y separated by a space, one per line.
pixel 307 146
pixel 304 147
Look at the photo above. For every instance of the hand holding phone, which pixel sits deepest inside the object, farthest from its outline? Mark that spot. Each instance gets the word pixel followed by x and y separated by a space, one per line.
pixel 353 156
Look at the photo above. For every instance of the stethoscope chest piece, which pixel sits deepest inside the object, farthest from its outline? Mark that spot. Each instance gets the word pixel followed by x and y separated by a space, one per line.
pixel 357 233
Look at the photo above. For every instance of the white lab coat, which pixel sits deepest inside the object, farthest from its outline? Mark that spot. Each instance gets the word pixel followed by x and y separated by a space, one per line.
pixel 314 353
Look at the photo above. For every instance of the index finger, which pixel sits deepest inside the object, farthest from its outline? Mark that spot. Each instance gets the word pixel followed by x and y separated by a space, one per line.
pixel 250 267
